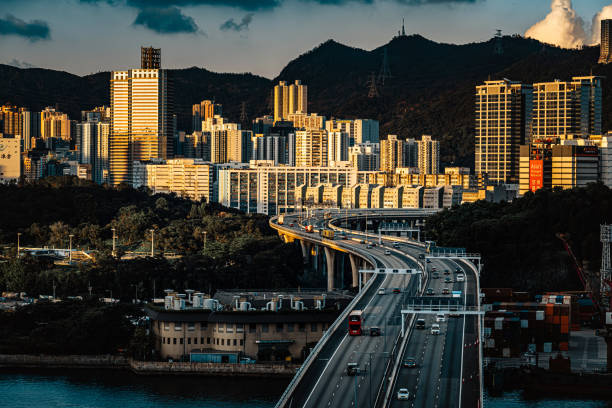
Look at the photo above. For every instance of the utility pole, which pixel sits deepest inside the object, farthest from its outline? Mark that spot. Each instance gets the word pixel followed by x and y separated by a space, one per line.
pixel 114 253
pixel 204 239
pixel 18 235
pixel 70 249
pixel 152 242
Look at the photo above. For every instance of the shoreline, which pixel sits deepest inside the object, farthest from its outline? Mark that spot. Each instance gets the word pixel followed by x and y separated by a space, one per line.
pixel 145 368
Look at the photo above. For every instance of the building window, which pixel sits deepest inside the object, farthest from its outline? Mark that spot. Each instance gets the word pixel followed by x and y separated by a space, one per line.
pixel 166 326
pixel 204 325
pixel 252 327
pixel 178 326
pixel 195 340
pixel 279 327
pixel 163 340
pixel 239 327
pixel 229 328
pixel 289 327
pixel 223 342
pixel 174 342
pixel 190 326
pixel 241 342
pixel 188 340
pixel 235 342
pixel 208 340
pixel 181 340
pixel 302 327
pixel 313 327
pixel 220 327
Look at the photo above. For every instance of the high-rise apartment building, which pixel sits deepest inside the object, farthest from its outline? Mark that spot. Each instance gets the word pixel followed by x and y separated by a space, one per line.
pixel 605 53
pixel 503 122
pixel 92 142
pixel 567 108
pixel 359 130
pixel 150 58
pixel 605 160
pixel 202 111
pixel 55 124
pixel 142 126
pixel 10 159
pixel 307 121
pixel 10 121
pixel 365 156
pixel 411 153
pixel 391 154
pixel 338 145
pixel 311 148
pixel 429 155
pixel 272 148
pixel 289 99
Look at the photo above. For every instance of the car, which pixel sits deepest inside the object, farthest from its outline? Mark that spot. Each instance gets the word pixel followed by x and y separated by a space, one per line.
pixel 396 245
pixel 433 269
pixel 421 256
pixel 446 291
pixel 440 318
pixel 403 394
pixel 381 291
pixel 420 324
pixel 435 275
pixel 460 277
pixel 446 272
pixel 292 225
pixel 396 290
pixel 429 261
pixel 374 331
pixel 458 269
pixel 387 252
pixel 430 292
pixel 369 246
pixel 435 329
pixel 447 280
pixel 410 363
pixel 352 369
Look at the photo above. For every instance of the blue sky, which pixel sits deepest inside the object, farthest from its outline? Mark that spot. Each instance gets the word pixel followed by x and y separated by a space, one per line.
pixel 259 36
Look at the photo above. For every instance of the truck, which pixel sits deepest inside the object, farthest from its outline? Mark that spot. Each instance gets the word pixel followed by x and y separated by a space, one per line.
pixel 327 233
pixel 281 219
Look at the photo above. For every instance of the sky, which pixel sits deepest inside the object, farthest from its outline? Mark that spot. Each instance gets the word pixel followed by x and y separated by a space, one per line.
pixel 262 36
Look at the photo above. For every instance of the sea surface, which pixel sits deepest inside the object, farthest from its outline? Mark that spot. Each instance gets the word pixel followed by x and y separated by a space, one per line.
pixel 119 389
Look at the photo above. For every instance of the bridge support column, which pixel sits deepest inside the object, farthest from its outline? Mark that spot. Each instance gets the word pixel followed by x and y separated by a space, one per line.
pixel 330 257
pixel 354 269
pixel 306 246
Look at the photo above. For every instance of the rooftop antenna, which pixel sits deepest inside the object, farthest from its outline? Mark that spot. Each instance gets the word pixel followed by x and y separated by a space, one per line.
pixel 498 47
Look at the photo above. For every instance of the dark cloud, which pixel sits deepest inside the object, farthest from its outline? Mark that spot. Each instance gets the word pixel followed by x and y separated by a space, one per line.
pixel 231 25
pixel 166 20
pixel 33 30
pixel 249 5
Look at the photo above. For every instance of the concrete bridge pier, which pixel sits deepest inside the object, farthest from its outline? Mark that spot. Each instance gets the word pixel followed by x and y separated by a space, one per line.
pixel 330 257
pixel 354 269
pixel 306 248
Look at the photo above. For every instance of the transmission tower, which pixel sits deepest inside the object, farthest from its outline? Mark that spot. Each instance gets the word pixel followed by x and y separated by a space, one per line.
pixel 243 114
pixel 606 263
pixel 385 72
pixel 373 92
pixel 498 48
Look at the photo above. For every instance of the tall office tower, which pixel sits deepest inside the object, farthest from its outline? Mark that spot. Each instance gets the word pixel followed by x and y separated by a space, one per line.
pixel 92 141
pixel 311 148
pixel 429 155
pixel 101 163
pixel 272 147
pixel 365 130
pixel 97 113
pixel 567 108
pixel 10 121
pixel 411 153
pixel 30 129
pixel 338 145
pixel 391 154
pixel 86 141
pixel 202 111
pixel 365 156
pixel 289 99
pixel 141 124
pixel 503 123
pixel 290 152
pixel 150 58
pixel 55 124
pixel 197 146
pixel 605 54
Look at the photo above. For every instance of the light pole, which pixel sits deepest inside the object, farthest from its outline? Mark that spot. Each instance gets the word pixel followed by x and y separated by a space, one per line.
pixel 18 235
pixel 70 249
pixel 152 242
pixel 205 233
pixel 114 253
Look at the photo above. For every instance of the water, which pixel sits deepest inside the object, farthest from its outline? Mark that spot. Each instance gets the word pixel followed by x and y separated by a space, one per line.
pixel 514 399
pixel 113 389
pixel 119 389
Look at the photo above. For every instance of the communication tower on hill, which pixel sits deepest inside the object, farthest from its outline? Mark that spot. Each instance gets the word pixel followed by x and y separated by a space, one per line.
pixel 385 72
pixel 373 91
pixel 498 48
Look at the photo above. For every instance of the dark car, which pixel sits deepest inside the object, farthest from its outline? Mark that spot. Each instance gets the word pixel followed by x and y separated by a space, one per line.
pixel 446 272
pixel 410 363
pixel 429 261
pixel 396 290
pixel 447 279
pixel 430 292
pixel 374 331
pixel 352 369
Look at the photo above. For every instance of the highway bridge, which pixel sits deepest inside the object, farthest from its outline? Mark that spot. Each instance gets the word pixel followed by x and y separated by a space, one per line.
pixel 447 372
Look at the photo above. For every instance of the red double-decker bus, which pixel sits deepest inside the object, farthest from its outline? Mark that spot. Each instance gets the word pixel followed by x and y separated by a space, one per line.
pixel 354 323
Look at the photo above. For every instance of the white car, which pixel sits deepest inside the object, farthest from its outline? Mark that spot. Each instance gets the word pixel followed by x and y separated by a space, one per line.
pixel 387 252
pixel 440 318
pixel 460 277
pixel 381 291
pixel 403 394
pixel 435 329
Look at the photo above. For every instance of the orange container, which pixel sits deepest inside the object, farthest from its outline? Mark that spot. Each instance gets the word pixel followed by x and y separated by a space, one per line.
pixel 564 346
pixel 564 329
pixel 565 320
pixel 549 309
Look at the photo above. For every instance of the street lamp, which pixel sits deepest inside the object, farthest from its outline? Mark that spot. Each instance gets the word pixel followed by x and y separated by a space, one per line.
pixel 70 250
pixel 204 232
pixel 114 253
pixel 152 242
pixel 18 235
